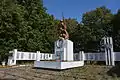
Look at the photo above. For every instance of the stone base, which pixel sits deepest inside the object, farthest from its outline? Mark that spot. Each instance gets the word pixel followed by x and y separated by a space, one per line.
pixel 58 65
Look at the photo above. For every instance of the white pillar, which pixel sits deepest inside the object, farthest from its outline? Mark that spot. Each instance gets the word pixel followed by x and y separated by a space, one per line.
pixel 106 56
pixel 53 56
pixel 111 42
pixel 112 52
pixel 80 56
pixel 38 56
pixel 108 50
pixel 113 59
pixel 109 54
pixel 14 57
pixel 83 56
pixel 46 56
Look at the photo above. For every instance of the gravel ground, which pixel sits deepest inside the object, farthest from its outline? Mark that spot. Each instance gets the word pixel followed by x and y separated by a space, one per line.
pixel 89 72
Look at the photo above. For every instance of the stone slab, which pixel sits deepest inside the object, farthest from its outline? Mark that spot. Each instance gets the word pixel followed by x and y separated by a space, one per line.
pixel 58 65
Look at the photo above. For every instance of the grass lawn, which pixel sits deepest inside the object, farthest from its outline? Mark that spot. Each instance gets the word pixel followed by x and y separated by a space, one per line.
pixel 87 72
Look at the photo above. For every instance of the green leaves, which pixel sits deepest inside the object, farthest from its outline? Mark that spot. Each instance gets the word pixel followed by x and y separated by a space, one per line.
pixel 116 31
pixel 25 25
pixel 95 25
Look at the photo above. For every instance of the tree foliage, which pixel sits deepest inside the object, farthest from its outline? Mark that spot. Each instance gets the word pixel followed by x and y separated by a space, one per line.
pixel 116 31
pixel 25 25
pixel 98 23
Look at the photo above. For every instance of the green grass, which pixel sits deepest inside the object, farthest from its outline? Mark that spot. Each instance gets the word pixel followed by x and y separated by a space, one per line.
pixel 87 72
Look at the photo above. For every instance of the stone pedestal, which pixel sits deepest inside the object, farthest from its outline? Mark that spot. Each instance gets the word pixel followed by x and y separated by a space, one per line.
pixel 63 56
pixel 64 50
pixel 58 65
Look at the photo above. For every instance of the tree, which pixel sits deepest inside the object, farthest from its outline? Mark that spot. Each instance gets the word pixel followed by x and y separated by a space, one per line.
pixel 116 31
pixel 25 25
pixel 11 19
pixel 98 23
pixel 42 25
pixel 81 36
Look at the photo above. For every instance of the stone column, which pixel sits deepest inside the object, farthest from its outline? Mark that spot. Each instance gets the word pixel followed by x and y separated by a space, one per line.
pixel 112 52
pixel 109 54
pixel 38 56
pixel 83 56
pixel 14 57
pixel 80 55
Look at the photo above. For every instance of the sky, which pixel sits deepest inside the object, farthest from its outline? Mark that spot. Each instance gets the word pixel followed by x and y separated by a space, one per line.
pixel 75 8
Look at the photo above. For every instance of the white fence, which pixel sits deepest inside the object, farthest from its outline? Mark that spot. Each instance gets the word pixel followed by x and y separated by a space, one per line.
pixel 117 56
pixel 100 56
pixel 33 56
pixel 18 55
pixel 26 56
pixel 95 56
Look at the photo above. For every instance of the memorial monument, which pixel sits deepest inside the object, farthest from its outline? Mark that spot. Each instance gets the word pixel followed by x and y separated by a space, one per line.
pixel 63 52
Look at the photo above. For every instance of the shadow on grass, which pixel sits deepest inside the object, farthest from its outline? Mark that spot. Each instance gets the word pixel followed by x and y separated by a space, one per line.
pixel 46 69
pixel 55 69
pixel 114 71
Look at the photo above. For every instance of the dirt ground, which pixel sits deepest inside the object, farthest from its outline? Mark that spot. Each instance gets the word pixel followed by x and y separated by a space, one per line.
pixel 88 72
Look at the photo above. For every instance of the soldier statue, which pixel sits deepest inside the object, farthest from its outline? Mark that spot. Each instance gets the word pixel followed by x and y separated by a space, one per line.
pixel 63 34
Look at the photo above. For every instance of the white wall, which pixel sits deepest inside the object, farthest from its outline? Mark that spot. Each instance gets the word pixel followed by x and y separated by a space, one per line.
pixel 32 56
pixel 95 56
pixel 26 56
pixel 19 55
pixel 117 56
